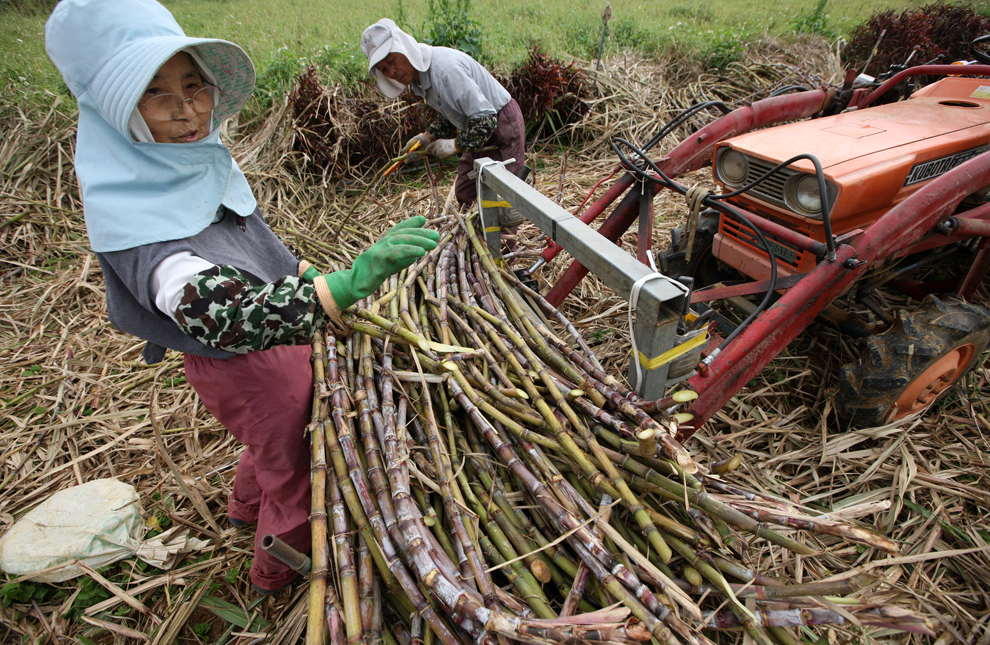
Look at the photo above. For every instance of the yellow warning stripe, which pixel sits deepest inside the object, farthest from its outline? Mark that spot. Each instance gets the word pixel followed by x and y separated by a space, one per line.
pixel 671 354
pixel 493 229
pixel 487 204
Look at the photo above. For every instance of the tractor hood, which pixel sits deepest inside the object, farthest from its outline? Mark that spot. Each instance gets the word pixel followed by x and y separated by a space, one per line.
pixel 872 158
pixel 949 116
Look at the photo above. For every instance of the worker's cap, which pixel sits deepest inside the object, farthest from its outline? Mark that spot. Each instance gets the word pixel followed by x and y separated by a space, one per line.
pixel 385 37
pixel 113 48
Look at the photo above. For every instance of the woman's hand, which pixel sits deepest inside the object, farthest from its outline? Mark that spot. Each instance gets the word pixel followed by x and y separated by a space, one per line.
pixel 402 245
pixel 424 139
pixel 442 148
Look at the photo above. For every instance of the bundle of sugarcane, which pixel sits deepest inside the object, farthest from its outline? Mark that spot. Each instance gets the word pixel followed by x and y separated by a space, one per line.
pixel 488 480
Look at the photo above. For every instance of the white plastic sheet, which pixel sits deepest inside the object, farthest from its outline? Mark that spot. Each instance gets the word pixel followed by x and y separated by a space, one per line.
pixel 96 523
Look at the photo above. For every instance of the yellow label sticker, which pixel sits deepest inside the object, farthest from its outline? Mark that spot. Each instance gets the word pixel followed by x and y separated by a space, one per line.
pixel 982 92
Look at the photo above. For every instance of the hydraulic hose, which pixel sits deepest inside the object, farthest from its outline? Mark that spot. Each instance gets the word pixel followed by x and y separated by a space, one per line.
pixel 681 118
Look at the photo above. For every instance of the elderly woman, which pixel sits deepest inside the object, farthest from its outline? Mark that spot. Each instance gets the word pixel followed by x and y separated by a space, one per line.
pixel 474 112
pixel 189 262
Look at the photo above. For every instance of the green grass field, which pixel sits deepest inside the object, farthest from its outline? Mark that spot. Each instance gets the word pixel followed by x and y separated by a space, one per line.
pixel 278 35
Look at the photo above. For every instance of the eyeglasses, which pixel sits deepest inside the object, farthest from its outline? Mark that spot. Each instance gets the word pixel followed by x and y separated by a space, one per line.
pixel 165 107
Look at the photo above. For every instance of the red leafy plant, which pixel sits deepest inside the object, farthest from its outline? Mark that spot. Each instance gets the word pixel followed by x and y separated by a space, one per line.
pixel 346 135
pixel 550 93
pixel 936 29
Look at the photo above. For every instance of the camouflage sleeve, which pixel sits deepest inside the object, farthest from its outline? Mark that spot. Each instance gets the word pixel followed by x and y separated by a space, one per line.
pixel 222 309
pixel 442 128
pixel 478 131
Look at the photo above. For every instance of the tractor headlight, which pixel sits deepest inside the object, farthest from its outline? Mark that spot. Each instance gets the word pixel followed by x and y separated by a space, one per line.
pixel 804 196
pixel 733 167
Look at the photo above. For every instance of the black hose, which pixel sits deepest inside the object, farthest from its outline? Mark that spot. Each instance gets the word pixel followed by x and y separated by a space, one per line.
pixel 789 88
pixel 682 117
pixel 822 189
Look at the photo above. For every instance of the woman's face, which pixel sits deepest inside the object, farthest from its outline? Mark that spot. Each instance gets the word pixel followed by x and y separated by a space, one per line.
pixel 169 120
pixel 398 68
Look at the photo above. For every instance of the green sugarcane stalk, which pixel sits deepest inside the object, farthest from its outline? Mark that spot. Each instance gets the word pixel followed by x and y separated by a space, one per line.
pixel 477 343
pixel 432 520
pixel 525 582
pixel 366 586
pixel 397 330
pixel 662 466
pixel 318 508
pixel 539 565
pixel 745 617
pixel 346 573
pixel 530 533
pixel 361 499
pixel 637 539
pixel 678 493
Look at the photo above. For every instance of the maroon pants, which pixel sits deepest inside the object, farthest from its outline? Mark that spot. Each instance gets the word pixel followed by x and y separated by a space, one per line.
pixel 263 399
pixel 509 136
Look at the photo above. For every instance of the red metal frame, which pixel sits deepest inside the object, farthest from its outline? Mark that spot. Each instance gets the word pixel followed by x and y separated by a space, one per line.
pixel 693 153
pixel 862 100
pixel 809 294
pixel 771 332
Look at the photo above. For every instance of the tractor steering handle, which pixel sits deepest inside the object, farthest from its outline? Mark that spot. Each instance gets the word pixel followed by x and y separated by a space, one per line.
pixel 926 70
pixel 981 57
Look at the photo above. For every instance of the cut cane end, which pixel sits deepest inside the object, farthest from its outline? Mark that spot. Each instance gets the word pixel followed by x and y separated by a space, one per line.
pixel 693 577
pixel 728 465
pixel 540 571
pixel 683 396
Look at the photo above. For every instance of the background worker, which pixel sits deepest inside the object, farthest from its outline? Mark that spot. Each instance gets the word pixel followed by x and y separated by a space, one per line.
pixel 189 262
pixel 474 111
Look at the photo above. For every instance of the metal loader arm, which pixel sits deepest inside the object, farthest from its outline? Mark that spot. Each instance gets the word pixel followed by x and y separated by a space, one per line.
pixel 660 300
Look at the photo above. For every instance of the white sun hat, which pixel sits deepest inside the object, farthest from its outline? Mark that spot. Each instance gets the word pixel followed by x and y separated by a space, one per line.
pixel 385 37
pixel 134 191
pixel 115 49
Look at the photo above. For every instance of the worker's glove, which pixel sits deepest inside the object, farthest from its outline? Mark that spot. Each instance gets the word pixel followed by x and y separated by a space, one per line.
pixel 398 248
pixel 442 148
pixel 423 139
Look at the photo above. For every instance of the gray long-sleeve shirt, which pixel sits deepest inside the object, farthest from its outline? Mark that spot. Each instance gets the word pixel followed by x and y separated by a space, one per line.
pixel 458 87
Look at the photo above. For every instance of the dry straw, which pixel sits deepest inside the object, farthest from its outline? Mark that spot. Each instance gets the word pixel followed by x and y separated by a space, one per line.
pixel 76 403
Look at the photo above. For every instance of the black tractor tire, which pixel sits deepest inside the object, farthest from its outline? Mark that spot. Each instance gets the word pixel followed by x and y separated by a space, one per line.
pixel 704 266
pixel 905 369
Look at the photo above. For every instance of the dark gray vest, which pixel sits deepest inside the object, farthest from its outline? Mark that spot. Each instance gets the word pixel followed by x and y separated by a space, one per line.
pixel 256 251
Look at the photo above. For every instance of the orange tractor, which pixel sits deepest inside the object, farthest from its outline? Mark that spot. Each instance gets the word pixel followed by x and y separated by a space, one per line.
pixel 880 194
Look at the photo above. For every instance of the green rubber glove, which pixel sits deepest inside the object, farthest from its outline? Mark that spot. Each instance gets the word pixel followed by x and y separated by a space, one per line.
pixel 401 245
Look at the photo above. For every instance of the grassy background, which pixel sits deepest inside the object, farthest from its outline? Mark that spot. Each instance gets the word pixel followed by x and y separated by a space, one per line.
pixel 281 36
